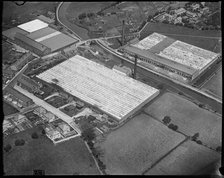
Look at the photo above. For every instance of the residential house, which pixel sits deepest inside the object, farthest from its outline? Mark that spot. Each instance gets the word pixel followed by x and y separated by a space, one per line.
pixel 180 11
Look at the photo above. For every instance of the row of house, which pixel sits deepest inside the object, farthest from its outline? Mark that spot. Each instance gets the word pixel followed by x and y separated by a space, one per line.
pixel 22 61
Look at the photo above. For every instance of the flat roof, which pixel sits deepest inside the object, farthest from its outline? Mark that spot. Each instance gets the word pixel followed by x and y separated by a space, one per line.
pixel 98 85
pixel 10 33
pixel 40 33
pixel 173 53
pixel 33 25
pixel 173 64
pixel 59 41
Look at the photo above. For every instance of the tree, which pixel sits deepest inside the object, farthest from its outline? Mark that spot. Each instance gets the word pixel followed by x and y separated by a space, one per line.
pixel 219 149
pixel 166 120
pixel 7 148
pixel 199 142
pixel 175 127
pixel 171 126
pixel 43 132
pixel 195 137
pixel 34 135
pixel 19 142
pixel 88 134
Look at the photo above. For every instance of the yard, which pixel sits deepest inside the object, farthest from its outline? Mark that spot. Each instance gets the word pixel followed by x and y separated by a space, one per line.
pixel 137 145
pixel 57 101
pixel 185 34
pixel 187 159
pixel 8 109
pixel 214 85
pixel 189 118
pixel 66 158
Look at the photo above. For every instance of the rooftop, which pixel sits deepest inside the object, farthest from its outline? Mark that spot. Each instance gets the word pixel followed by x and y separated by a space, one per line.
pixel 33 25
pixel 40 33
pixel 113 93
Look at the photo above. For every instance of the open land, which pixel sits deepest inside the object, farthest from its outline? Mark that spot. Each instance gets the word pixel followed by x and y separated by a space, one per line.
pixel 214 85
pixel 66 158
pixel 137 145
pixel 189 118
pixel 185 34
pixel 8 109
pixel 24 13
pixel 187 159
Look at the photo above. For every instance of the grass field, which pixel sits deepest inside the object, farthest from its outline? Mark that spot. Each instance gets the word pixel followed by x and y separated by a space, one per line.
pixel 214 85
pixel 187 159
pixel 189 118
pixel 66 158
pixel 137 145
pixel 175 32
pixel 26 12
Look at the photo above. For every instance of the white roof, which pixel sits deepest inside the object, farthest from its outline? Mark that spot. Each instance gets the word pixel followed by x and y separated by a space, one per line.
pixel 33 25
pixel 100 86
pixel 188 55
pixel 149 41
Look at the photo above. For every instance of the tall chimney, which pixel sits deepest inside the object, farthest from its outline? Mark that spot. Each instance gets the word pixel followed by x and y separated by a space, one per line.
pixel 123 27
pixel 135 67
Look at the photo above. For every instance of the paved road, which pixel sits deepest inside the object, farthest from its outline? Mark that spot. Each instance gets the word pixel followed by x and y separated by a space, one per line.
pixel 48 107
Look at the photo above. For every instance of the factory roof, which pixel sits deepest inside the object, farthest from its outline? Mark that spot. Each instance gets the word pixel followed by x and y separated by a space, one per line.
pixel 173 53
pixel 45 19
pixel 30 42
pixel 33 25
pixel 10 33
pixel 59 41
pixel 113 93
pixel 40 33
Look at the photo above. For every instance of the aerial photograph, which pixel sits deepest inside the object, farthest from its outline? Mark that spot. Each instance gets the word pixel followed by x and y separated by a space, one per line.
pixel 111 88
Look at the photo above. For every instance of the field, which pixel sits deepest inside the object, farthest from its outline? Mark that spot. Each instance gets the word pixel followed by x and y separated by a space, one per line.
pixel 185 34
pixel 189 118
pixel 187 159
pixel 8 109
pixel 137 145
pixel 66 158
pixel 214 85
pixel 24 13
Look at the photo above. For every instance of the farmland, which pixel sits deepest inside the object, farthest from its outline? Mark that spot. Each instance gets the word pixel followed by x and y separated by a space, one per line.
pixel 185 34
pixel 214 85
pixel 187 159
pixel 189 118
pixel 66 158
pixel 14 15
pixel 137 145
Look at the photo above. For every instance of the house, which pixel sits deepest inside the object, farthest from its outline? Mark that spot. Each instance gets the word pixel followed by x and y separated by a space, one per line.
pixel 191 14
pixel 22 61
pixel 195 6
pixel 65 128
pixel 49 116
pixel 52 134
pixel 178 20
pixel 180 11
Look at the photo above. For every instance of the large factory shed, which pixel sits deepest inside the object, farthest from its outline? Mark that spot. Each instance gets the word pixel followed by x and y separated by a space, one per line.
pixel 172 55
pixel 10 33
pixel 115 94
pixel 33 25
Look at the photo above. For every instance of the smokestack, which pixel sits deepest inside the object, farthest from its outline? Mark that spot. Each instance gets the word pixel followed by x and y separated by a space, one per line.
pixel 135 67
pixel 123 33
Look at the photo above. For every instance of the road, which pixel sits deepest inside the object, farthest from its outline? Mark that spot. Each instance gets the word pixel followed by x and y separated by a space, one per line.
pixel 48 107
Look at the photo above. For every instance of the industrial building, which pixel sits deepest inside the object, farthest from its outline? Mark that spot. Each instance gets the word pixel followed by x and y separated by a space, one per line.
pixel 28 84
pixel 22 61
pixel 173 56
pixel 39 36
pixel 116 95
pixel 19 97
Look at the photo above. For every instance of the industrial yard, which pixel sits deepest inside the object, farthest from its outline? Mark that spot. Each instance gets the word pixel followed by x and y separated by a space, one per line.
pixel 112 88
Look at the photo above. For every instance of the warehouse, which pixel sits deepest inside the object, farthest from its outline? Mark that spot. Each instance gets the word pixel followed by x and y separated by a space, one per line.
pixel 117 95
pixel 10 33
pixel 31 45
pixel 33 25
pixel 171 55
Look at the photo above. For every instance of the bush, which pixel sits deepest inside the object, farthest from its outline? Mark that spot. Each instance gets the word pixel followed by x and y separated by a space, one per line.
pixel 7 148
pixel 34 135
pixel 199 142
pixel 195 137
pixel 219 149
pixel 166 120
pixel 171 126
pixel 43 132
pixel 175 127
pixel 19 142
